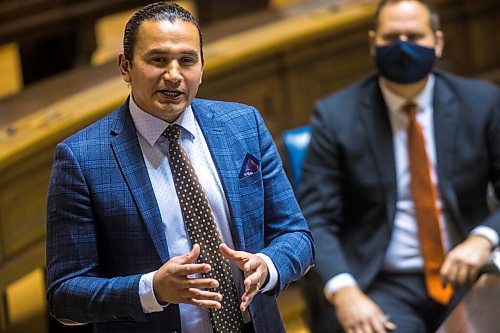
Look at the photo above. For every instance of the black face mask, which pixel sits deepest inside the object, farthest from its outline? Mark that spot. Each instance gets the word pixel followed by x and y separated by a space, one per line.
pixel 404 62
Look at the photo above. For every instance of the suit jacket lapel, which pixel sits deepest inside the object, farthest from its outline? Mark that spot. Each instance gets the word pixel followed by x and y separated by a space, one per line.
pixel 376 121
pixel 446 110
pixel 128 154
pixel 218 136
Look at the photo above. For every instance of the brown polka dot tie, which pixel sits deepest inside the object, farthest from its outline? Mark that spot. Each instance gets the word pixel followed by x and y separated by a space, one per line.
pixel 202 229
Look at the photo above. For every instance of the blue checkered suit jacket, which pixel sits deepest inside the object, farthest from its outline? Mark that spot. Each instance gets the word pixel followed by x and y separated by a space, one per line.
pixel 104 228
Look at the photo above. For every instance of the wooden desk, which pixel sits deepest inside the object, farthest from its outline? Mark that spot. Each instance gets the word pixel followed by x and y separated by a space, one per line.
pixel 479 311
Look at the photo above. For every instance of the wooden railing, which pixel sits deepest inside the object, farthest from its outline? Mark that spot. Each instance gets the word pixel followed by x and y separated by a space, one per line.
pixel 478 311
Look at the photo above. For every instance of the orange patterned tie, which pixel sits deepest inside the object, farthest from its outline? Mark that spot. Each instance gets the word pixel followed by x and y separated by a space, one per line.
pixel 425 199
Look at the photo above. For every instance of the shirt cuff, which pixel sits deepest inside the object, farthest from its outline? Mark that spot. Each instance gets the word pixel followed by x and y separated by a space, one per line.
pixel 338 281
pixel 271 270
pixel 496 258
pixel 487 233
pixel 147 296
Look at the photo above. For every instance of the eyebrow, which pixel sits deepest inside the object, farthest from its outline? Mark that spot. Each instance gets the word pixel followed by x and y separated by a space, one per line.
pixel 161 52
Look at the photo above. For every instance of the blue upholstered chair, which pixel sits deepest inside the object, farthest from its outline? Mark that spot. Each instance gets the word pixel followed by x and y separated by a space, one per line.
pixel 294 148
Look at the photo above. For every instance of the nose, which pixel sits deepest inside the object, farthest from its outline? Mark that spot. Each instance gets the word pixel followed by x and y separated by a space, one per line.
pixel 172 72
pixel 403 38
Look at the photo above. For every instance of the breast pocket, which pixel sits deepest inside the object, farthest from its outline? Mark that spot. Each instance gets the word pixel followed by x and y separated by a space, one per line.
pixel 253 179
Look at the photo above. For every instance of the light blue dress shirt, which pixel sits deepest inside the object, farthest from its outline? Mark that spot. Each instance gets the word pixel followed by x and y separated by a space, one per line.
pixel 154 147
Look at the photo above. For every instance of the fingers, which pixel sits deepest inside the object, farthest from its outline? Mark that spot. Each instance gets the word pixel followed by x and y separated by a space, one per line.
pixel 187 258
pixel 239 257
pixel 252 284
pixel 190 269
pixel 252 264
pixel 204 298
pixel 184 264
pixel 177 281
pixel 254 269
pixel 460 275
pixel 197 283
pixel 389 325
pixel 226 251
pixel 356 312
pixel 182 289
pixel 376 325
pixel 251 289
pixel 462 264
pixel 464 274
pixel 191 256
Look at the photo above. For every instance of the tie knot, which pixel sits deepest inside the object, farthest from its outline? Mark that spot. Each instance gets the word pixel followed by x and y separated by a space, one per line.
pixel 410 108
pixel 172 133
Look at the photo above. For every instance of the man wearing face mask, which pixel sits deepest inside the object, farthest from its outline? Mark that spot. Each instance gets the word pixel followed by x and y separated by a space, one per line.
pixel 394 184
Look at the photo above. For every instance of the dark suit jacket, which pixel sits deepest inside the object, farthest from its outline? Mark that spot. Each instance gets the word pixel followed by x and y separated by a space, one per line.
pixel 104 228
pixel 348 191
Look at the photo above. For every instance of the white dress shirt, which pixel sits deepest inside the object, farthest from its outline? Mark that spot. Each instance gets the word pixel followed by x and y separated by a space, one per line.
pixel 154 148
pixel 403 253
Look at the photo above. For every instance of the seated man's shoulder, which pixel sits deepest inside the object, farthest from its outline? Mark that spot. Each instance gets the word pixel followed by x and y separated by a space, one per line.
pixel 468 86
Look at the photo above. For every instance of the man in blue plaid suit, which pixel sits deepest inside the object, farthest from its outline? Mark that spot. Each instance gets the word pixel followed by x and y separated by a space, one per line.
pixel 118 253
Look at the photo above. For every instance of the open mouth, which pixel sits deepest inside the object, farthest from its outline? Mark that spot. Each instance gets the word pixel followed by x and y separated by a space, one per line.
pixel 170 93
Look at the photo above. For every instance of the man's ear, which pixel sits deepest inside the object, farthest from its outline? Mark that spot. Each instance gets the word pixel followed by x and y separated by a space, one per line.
pixel 124 66
pixel 371 42
pixel 439 44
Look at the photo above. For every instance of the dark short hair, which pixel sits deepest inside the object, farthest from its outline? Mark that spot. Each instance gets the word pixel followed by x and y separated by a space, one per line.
pixel 435 21
pixel 158 11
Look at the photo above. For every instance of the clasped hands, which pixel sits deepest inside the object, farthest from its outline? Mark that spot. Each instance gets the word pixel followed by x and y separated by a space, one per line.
pixel 173 282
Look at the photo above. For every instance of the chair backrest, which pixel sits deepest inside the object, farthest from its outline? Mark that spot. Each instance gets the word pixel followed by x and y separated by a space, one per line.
pixel 294 147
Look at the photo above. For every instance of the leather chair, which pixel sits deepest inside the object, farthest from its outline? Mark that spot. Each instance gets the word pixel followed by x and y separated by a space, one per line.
pixel 294 144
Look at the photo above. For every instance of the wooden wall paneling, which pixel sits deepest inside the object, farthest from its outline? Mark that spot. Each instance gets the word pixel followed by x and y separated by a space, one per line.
pixel 3 310
pixel 12 9
pixel 456 53
pixel 291 38
pixel 11 269
pixel 23 202
pixel 26 303
pixel 471 29
pixel 213 10
pixel 11 80
pixel 25 165
pixel 325 67
pixel 59 33
pixel 484 40
pixel 258 84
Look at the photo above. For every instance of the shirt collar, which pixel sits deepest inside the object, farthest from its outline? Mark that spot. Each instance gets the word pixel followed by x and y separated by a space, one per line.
pixel 395 102
pixel 151 128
